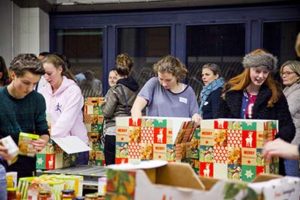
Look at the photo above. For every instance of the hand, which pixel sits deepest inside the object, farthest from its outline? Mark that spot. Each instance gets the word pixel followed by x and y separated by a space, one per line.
pixel 197 119
pixel 4 153
pixel 135 116
pixel 280 148
pixel 40 143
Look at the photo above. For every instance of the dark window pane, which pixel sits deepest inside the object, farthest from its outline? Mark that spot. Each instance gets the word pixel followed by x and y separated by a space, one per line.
pixel 279 38
pixel 145 46
pixel 220 44
pixel 83 48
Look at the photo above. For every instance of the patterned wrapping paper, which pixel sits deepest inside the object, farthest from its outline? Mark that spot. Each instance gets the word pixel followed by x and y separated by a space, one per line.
pixel 53 157
pixel 155 138
pixel 149 138
pixel 93 119
pixel 232 148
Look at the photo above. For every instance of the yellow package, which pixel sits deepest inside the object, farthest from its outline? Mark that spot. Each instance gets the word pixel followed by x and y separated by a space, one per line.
pixel 25 146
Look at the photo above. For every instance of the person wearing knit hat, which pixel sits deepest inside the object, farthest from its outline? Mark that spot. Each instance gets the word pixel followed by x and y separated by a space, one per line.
pixel 290 74
pixel 254 94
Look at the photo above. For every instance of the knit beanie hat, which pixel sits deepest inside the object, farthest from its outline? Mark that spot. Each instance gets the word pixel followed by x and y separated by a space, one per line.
pixel 259 58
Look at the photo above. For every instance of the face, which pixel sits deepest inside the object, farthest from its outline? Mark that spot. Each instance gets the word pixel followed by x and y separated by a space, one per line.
pixel 52 74
pixel 112 78
pixel 288 76
pixel 258 75
pixel 167 80
pixel 25 84
pixel 208 76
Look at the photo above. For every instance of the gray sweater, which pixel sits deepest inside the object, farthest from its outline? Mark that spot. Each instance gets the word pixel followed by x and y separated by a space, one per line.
pixel 292 94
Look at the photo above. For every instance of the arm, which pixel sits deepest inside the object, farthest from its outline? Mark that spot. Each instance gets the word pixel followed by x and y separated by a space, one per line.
pixel 73 108
pixel 282 149
pixel 286 126
pixel 41 125
pixel 110 105
pixel 138 105
pixel 194 108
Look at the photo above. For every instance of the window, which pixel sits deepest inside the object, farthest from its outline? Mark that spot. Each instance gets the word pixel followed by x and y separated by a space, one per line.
pixel 83 48
pixel 279 38
pixel 220 44
pixel 146 46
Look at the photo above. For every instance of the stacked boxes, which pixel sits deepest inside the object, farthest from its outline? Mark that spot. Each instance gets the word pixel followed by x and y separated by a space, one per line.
pixel 147 139
pixel 53 157
pixel 93 119
pixel 232 148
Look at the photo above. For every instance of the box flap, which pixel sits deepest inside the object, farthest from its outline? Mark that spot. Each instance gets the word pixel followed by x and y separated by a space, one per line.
pixel 173 172
pixel 71 144
pixel 265 177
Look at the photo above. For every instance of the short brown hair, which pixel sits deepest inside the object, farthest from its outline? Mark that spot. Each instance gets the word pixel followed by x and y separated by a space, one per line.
pixel 26 63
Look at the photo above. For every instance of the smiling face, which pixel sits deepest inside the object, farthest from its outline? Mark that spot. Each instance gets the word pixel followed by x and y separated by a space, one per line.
pixel 289 77
pixel 167 80
pixel 112 78
pixel 53 75
pixel 208 76
pixel 23 85
pixel 258 75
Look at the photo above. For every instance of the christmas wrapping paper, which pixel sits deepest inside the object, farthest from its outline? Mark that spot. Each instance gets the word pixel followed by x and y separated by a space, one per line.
pixel 93 119
pixel 150 138
pixel 232 148
pixel 53 157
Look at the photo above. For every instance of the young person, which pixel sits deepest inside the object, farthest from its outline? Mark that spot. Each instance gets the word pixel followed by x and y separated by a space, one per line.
pixel 119 100
pixel 64 102
pixel 254 94
pixel 22 109
pixel 211 92
pixel 165 95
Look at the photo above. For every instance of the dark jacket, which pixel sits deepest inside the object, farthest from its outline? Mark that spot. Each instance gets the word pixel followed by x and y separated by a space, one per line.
pixel 231 108
pixel 119 100
pixel 211 106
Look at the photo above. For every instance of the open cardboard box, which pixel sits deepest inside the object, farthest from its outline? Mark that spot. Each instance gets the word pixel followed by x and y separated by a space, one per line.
pixel 178 181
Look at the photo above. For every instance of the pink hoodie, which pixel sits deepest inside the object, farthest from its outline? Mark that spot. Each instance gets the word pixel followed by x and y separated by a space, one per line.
pixel 65 109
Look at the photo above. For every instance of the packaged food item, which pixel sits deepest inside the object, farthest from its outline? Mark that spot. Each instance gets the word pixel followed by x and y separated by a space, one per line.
pixel 11 147
pixel 67 195
pixel 11 193
pixel 44 195
pixel 11 179
pixel 93 196
pixel 25 146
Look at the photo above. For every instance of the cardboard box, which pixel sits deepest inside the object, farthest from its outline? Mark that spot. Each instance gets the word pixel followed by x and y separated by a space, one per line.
pixel 94 120
pixel 232 148
pixel 151 138
pixel 60 153
pixel 158 180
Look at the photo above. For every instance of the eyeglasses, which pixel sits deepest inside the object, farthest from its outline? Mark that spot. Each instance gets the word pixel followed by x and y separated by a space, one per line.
pixel 287 73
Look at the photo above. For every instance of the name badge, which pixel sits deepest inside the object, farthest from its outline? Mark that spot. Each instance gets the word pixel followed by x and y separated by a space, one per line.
pixel 183 100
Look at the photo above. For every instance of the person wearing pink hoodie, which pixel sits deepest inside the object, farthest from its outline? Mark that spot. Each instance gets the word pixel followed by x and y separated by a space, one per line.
pixel 64 102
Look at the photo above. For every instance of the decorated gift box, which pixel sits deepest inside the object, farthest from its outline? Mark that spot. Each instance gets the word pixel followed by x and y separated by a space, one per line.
pixel 93 119
pixel 150 138
pixel 232 148
pixel 53 157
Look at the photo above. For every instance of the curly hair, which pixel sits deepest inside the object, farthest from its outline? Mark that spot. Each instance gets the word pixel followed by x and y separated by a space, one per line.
pixel 172 65
pixel 124 64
